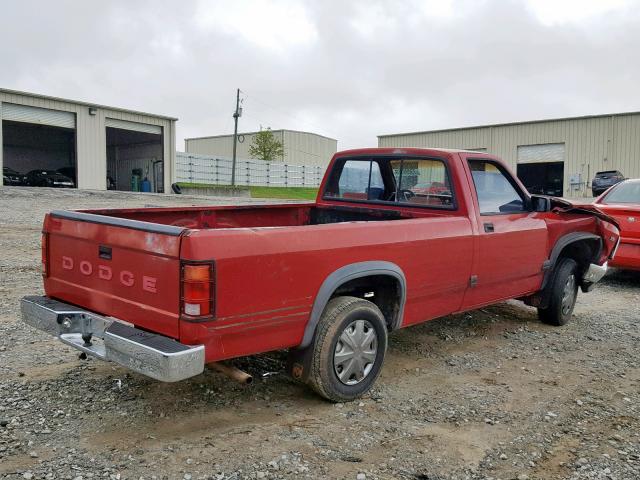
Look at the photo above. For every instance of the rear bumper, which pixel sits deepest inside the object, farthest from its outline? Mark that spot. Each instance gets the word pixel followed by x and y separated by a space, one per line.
pixel 153 355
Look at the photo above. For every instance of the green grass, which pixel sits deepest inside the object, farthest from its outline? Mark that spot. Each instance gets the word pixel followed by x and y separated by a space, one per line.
pixel 296 193
pixel 292 193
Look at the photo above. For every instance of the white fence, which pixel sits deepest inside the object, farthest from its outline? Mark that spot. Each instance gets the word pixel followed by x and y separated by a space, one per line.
pixel 217 171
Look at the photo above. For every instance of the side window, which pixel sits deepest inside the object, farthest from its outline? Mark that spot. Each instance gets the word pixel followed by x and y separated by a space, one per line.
pixel 359 180
pixel 422 182
pixel 495 192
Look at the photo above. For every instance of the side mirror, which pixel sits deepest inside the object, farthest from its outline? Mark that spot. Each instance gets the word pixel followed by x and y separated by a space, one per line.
pixel 540 203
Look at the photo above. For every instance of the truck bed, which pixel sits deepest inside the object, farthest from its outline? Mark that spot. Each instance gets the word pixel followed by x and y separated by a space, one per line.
pixel 279 215
pixel 127 263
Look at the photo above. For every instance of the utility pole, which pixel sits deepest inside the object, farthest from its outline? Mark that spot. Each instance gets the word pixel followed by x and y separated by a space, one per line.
pixel 237 114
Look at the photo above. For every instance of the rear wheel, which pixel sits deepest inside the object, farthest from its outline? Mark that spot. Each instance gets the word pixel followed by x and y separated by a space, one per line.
pixel 348 349
pixel 563 295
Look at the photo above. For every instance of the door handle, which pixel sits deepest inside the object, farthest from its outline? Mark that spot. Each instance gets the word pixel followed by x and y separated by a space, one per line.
pixel 488 228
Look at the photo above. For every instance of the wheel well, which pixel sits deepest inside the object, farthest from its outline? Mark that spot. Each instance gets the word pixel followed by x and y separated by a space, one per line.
pixel 384 291
pixel 583 252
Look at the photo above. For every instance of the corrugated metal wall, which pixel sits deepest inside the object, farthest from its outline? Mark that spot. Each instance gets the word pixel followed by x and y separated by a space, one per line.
pixel 301 148
pixel 610 142
pixel 91 148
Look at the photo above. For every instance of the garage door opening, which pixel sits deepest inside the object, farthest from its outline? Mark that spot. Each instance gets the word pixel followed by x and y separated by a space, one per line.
pixel 135 160
pixel 542 178
pixel 36 150
pixel 541 168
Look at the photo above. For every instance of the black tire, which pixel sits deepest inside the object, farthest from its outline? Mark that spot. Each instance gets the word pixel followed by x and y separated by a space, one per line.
pixel 563 294
pixel 340 317
pixel 176 189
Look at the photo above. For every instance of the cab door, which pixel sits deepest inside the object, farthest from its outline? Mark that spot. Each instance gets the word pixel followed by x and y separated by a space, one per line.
pixel 511 242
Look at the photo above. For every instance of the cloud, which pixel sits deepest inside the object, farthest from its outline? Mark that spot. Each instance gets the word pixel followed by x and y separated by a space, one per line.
pixel 350 70
pixel 276 25
pixel 554 12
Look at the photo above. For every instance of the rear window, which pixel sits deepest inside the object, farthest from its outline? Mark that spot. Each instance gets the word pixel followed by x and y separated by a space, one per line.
pixel 624 193
pixel 408 181
pixel 609 173
pixel 422 182
pixel 360 180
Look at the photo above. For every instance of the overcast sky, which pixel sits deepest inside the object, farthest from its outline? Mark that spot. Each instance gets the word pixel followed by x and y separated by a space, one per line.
pixel 350 70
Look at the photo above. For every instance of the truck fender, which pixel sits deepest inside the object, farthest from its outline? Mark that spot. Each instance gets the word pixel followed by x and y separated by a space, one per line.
pixel 345 274
pixel 560 245
pixel 541 299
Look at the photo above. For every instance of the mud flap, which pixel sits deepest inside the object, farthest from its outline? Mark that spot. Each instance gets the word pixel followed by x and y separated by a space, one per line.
pixel 299 363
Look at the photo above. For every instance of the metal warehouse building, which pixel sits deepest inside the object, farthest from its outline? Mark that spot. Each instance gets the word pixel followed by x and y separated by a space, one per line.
pixel 556 157
pixel 92 144
pixel 300 148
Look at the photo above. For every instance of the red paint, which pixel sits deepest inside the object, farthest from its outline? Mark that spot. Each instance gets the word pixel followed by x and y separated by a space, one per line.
pixel 67 263
pixel 104 272
pixel 149 284
pixel 266 279
pixel 628 217
pixel 86 268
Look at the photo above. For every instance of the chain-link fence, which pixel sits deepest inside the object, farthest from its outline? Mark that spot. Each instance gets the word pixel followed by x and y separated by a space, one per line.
pixel 217 171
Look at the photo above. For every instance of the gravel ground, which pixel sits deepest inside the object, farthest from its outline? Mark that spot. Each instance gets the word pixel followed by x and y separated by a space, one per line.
pixel 492 394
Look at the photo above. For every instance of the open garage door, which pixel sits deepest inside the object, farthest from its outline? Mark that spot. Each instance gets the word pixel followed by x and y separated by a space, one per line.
pixel 541 168
pixel 134 156
pixel 39 145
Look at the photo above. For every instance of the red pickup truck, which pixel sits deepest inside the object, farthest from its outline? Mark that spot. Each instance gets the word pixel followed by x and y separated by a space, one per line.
pixel 396 237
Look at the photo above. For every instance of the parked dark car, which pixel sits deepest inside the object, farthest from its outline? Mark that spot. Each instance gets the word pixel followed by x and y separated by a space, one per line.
pixel 11 177
pixel 69 172
pixel 48 178
pixel 603 180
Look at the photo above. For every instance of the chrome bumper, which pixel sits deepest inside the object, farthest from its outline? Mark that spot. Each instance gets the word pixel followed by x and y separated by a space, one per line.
pixel 156 356
pixel 593 275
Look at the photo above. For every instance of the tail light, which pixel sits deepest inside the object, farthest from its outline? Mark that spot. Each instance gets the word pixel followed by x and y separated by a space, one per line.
pixel 198 290
pixel 44 254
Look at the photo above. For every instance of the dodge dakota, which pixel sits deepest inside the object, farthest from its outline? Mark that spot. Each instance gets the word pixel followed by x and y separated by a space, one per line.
pixel 395 237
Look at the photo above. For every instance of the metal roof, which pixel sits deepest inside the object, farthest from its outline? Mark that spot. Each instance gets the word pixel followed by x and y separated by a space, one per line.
pixel 507 124
pixel 251 133
pixel 404 150
pixel 86 104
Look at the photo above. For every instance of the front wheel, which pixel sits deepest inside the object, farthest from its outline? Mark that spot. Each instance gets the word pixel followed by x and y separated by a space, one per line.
pixel 348 349
pixel 563 295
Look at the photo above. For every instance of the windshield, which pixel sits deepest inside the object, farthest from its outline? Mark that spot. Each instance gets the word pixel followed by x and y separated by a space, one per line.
pixel 624 193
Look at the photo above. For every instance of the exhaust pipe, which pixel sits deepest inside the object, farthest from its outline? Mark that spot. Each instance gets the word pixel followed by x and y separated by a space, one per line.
pixel 232 372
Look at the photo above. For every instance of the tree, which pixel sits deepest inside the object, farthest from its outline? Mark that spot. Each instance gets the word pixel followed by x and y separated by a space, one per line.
pixel 265 146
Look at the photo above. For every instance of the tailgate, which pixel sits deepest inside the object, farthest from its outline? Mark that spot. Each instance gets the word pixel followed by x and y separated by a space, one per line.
pixel 126 269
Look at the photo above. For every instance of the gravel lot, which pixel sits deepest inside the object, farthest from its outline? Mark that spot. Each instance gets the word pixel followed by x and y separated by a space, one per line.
pixel 488 394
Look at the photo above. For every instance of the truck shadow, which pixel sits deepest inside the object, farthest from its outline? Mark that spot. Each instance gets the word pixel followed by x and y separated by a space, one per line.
pixel 213 402
pixel 621 278
pixel 211 408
